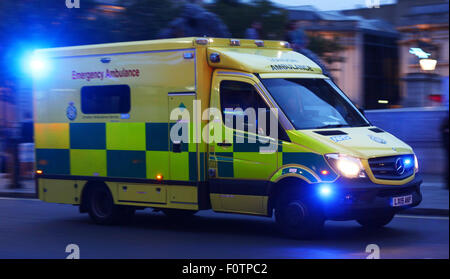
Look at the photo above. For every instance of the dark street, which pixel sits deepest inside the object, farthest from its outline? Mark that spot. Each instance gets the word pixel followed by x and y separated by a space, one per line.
pixel 34 229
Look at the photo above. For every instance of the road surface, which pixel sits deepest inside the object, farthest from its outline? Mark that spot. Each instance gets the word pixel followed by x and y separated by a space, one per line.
pixel 34 229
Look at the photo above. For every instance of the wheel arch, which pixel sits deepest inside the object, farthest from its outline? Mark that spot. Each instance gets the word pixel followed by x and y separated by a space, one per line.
pixel 286 182
pixel 88 186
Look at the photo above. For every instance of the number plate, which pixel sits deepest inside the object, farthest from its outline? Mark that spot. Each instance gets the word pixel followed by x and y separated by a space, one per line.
pixel 400 201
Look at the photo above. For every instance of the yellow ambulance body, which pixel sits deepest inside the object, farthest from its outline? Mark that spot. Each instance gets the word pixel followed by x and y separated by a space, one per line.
pixel 103 123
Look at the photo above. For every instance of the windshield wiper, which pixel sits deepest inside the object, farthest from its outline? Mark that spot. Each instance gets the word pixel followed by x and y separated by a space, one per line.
pixel 333 126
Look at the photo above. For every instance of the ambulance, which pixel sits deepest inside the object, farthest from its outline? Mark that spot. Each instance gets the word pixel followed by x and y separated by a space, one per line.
pixel 126 126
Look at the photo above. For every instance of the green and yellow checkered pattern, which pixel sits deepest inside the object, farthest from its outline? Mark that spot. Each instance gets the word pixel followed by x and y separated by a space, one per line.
pixel 243 160
pixel 122 150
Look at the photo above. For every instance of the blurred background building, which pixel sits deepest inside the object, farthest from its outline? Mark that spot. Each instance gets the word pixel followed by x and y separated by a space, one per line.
pixel 361 54
pixel 422 24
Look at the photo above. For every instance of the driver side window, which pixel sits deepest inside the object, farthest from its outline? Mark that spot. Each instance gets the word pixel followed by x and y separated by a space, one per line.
pixel 241 101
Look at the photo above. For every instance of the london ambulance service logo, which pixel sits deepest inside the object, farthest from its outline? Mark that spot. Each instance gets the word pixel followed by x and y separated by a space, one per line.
pixel 71 111
pixel 377 139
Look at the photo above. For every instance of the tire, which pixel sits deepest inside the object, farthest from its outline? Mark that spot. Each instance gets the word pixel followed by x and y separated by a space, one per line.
pixel 297 216
pixel 179 213
pixel 102 209
pixel 376 220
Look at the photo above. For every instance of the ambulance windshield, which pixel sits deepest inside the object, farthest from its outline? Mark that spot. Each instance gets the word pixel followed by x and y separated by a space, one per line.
pixel 314 103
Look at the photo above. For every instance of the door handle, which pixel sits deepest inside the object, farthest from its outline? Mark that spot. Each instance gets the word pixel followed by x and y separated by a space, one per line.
pixel 224 144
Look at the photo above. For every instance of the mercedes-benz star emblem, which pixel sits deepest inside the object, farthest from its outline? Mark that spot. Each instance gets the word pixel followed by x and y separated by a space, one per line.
pixel 399 166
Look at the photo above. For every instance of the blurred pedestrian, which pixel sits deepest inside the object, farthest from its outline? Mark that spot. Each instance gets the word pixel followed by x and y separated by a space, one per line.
pixel 296 36
pixel 444 134
pixel 254 31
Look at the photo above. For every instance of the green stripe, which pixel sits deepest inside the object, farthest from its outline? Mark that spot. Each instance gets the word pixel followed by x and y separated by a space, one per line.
pixel 280 146
pixel 87 135
pixel 302 172
pixel 312 161
pixel 53 161
pixel 248 143
pixel 184 145
pixel 126 163
pixel 193 166
pixel 225 169
pixel 157 136
pixel 202 166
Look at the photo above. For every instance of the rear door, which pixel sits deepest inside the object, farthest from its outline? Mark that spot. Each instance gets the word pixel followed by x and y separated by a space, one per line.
pixel 182 148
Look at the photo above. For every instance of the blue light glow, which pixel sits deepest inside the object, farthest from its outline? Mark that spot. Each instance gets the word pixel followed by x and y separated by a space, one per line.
pixel 325 191
pixel 37 65
pixel 34 65
pixel 407 162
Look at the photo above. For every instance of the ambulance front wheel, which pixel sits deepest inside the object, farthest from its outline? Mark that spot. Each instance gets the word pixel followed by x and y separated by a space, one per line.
pixel 298 216
pixel 102 209
pixel 376 220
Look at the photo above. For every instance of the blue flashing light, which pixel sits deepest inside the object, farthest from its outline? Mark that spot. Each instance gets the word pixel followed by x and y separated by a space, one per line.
pixel 325 191
pixel 407 162
pixel 37 65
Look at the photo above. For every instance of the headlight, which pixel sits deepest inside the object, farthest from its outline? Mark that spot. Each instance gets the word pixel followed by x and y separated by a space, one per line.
pixel 416 164
pixel 348 166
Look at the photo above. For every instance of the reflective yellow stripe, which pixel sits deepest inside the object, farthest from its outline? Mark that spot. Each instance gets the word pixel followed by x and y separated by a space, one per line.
pixel 88 162
pixel 51 135
pixel 157 163
pixel 125 136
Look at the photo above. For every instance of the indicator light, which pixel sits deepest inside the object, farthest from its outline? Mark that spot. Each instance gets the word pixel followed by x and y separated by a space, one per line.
pixel 39 172
pixel 324 172
pixel 159 177
pixel 416 164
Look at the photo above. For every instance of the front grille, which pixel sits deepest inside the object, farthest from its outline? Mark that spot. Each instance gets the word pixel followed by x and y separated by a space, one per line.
pixel 390 167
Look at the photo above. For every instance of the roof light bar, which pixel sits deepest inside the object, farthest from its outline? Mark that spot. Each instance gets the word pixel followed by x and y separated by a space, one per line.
pixel 234 42
pixel 285 44
pixel 259 43
pixel 201 41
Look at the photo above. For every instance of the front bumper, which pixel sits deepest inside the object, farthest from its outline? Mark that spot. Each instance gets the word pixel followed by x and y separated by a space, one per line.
pixel 356 198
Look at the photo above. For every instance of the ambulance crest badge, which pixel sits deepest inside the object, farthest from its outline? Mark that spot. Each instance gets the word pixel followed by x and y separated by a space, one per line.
pixel 71 111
